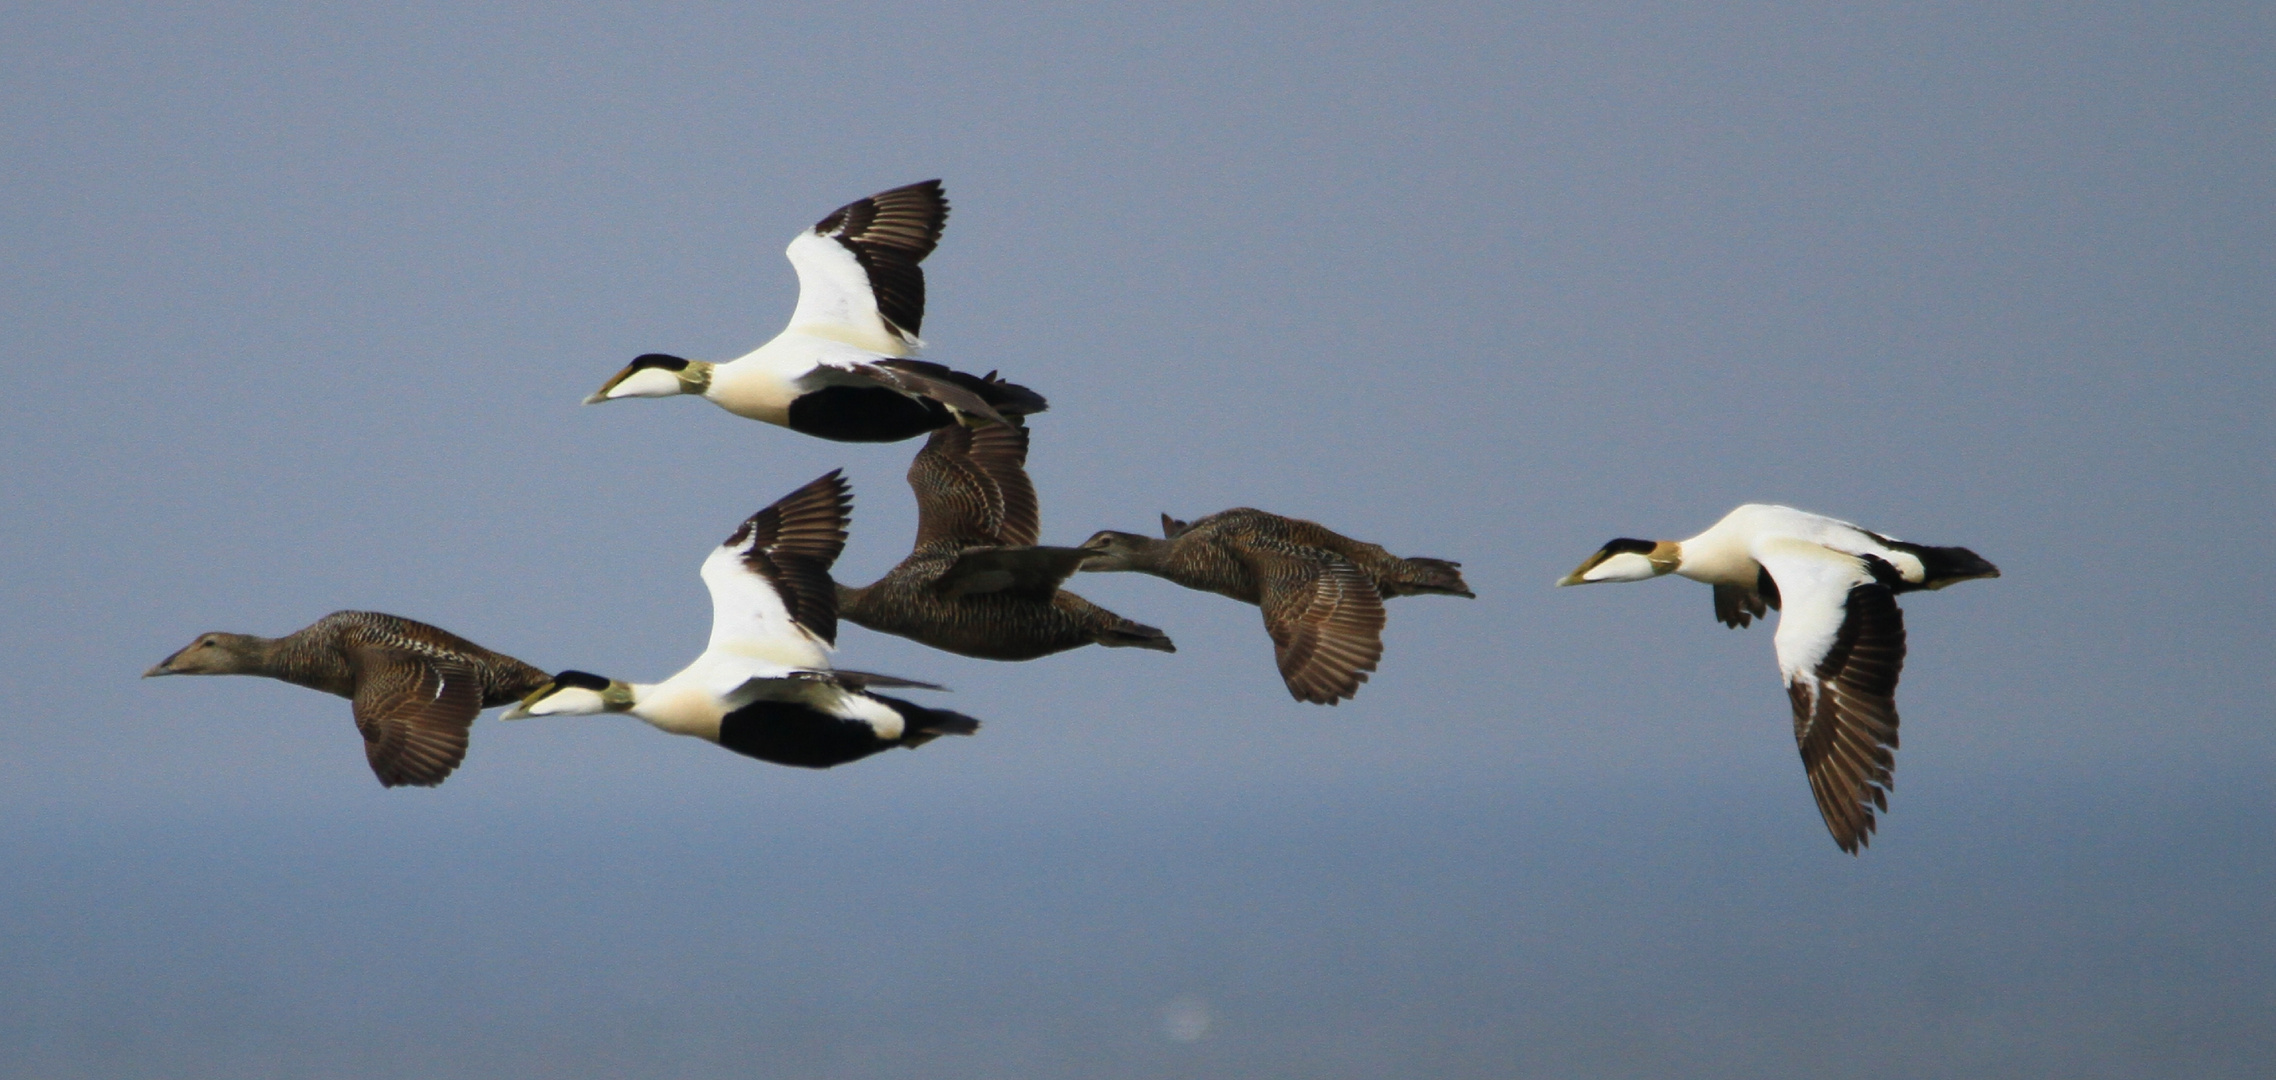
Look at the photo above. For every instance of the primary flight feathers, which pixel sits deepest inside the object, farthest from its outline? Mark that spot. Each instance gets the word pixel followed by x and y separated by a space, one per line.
pixel 844 368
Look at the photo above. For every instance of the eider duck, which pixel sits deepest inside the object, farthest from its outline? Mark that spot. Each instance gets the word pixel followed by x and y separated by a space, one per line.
pixel 976 584
pixel 416 688
pixel 1840 640
pixel 1322 592
pixel 764 686
pixel 844 368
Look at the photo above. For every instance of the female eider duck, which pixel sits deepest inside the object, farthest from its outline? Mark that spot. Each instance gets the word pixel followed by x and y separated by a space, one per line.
pixel 844 368
pixel 764 686
pixel 976 583
pixel 1840 640
pixel 416 688
pixel 1322 592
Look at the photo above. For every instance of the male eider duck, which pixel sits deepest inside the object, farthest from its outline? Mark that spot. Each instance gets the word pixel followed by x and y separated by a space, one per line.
pixel 976 583
pixel 1841 638
pixel 844 368
pixel 764 686
pixel 1322 592
pixel 416 688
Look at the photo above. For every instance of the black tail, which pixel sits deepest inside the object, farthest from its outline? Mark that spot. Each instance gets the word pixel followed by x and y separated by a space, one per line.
pixel 1943 566
pixel 1009 398
pixel 1416 576
pixel 921 725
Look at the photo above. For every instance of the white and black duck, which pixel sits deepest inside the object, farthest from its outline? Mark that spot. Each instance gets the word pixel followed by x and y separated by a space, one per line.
pixel 845 368
pixel 1840 640
pixel 764 686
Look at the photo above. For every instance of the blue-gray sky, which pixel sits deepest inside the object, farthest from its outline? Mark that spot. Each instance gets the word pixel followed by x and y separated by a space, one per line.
pixel 299 306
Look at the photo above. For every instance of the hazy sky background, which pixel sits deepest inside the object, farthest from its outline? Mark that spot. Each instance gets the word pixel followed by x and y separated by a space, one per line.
pixel 299 306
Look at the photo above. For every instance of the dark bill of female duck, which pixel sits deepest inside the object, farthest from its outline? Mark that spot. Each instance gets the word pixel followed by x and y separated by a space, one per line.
pixel 1840 639
pixel 764 685
pixel 416 688
pixel 845 367
pixel 1321 592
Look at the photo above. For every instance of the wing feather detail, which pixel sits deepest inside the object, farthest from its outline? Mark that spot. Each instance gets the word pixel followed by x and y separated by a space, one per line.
pixel 414 713
pixel 1325 619
pixel 972 489
pixel 858 267
pixel 1841 646
pixel 770 582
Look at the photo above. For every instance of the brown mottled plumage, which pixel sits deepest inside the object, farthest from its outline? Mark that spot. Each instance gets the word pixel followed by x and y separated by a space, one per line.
pixel 416 688
pixel 976 584
pixel 1322 592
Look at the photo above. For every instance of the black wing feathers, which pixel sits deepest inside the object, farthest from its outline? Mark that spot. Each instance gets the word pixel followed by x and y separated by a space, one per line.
pixel 1847 728
pixel 889 233
pixel 792 544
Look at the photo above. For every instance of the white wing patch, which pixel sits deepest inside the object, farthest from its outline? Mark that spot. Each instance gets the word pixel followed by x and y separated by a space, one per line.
pixel 1814 584
pixel 748 618
pixel 835 300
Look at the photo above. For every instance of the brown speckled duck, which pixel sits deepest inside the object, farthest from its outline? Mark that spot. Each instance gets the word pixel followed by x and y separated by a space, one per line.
pixel 1322 592
pixel 976 583
pixel 416 688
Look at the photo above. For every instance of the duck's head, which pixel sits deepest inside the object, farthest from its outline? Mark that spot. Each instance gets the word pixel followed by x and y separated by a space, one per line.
pixel 655 375
pixel 212 654
pixel 574 693
pixel 1111 550
pixel 1626 559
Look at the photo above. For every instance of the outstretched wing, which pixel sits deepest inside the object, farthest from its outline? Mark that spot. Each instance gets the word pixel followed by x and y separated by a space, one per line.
pixel 972 488
pixel 1325 618
pixel 414 712
pixel 857 268
pixel 770 582
pixel 1841 646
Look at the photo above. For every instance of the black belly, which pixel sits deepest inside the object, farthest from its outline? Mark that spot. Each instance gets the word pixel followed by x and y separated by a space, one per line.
pixel 865 414
pixel 790 733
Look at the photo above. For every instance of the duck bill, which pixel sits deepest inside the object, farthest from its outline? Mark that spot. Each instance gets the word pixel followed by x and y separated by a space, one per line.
pixel 164 667
pixel 602 394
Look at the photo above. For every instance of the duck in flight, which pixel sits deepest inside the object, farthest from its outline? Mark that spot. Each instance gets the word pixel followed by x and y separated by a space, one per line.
pixel 1322 592
pixel 976 584
pixel 764 686
pixel 845 368
pixel 1840 640
pixel 416 688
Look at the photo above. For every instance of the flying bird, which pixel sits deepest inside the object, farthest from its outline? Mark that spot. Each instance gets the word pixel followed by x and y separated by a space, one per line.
pixel 1840 640
pixel 1322 592
pixel 764 686
pixel 416 688
pixel 975 583
pixel 845 368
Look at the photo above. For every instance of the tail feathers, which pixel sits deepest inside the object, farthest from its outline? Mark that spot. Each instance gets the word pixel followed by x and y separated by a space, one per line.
pixel 1943 566
pixel 1008 398
pixel 921 725
pixel 1417 576
pixel 1130 635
